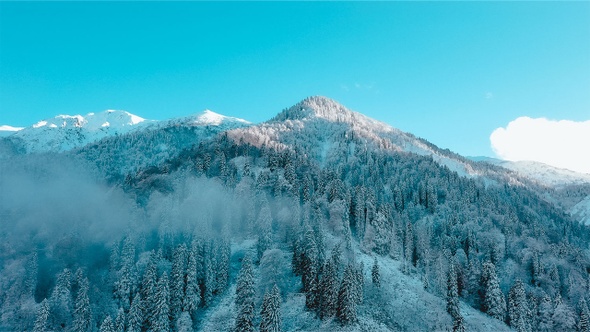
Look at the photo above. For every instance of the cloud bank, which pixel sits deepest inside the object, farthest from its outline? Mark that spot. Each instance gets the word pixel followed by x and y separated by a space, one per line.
pixel 562 144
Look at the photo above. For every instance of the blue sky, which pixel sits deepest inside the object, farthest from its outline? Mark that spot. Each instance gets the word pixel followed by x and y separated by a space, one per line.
pixel 451 72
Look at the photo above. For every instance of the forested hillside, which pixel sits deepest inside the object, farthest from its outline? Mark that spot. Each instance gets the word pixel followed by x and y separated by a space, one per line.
pixel 320 219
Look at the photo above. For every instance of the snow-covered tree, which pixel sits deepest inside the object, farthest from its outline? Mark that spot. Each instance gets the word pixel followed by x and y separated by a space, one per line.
pixel 545 314
pixel 346 310
pixel 584 321
pixel 107 325
pixel 328 290
pixel 161 306
pixel 82 312
pixel 493 299
pixel 245 298
pixel 177 280
pixel 270 314
pixel 135 315
pixel 120 321
pixel 564 318
pixel 518 311
pixel 375 275
pixel 42 320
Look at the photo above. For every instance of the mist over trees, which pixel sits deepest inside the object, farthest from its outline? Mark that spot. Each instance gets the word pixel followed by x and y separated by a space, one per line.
pixel 319 229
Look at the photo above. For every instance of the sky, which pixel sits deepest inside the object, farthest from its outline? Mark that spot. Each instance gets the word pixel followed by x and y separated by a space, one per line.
pixel 450 72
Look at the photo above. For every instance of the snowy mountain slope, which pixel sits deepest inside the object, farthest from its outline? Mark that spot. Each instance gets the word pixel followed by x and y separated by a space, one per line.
pixel 156 142
pixel 332 124
pixel 541 173
pixel 65 132
pixel 568 189
pixel 6 130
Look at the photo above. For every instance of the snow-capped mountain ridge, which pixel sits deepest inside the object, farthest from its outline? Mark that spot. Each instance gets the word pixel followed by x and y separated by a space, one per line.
pixel 66 132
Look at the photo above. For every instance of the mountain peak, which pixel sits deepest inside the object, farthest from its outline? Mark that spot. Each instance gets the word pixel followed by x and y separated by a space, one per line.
pixel 208 117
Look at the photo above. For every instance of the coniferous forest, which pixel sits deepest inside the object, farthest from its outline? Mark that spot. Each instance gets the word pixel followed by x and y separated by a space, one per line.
pixel 319 219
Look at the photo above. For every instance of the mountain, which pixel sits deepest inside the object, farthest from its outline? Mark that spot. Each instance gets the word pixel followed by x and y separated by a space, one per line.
pixel 8 130
pixel 65 132
pixel 568 189
pixel 543 174
pixel 321 216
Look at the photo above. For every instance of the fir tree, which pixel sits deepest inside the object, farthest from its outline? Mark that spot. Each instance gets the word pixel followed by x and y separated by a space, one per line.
pixel 328 290
pixel 375 275
pixel 107 325
pixel 545 314
pixel 452 293
pixel 346 310
pixel 563 317
pixel 192 296
pixel 135 316
pixel 270 314
pixel 149 288
pixel 245 298
pixel 161 305
pixel 184 323
pixel 493 299
pixel 120 321
pixel 82 313
pixel 61 299
pixel 518 311
pixel 584 322
pixel 177 280
pixel 42 320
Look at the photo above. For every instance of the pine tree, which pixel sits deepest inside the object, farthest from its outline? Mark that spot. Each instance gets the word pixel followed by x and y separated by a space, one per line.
pixel 270 315
pixel 42 320
pixel 161 318
pixel 177 280
pixel 184 323
pixel 518 311
pixel 32 274
pixel 584 322
pixel 120 321
pixel 82 313
pixel 328 290
pixel 346 310
pixel 408 247
pixel 452 293
pixel 124 287
pixel 563 318
pixel 459 324
pixel 107 325
pixel 60 302
pixel 149 288
pixel 209 265
pixel 192 296
pixel 545 314
pixel 375 275
pixel 135 318
pixel 493 299
pixel 245 298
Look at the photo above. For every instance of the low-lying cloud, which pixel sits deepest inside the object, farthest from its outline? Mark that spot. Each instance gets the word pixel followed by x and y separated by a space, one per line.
pixel 562 143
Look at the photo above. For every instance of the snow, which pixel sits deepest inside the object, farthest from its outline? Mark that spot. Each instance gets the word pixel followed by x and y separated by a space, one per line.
pixel 581 211
pixel 6 130
pixel 65 132
pixel 541 173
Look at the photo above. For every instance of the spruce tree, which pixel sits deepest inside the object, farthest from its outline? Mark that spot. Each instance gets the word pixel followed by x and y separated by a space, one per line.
pixel 42 320
pixel 149 287
pixel 245 298
pixel 545 314
pixel 192 296
pixel 452 293
pixel 120 321
pixel 270 314
pixel 346 309
pixel 375 275
pixel 518 311
pixel 60 302
pixel 584 322
pixel 135 316
pixel 177 280
pixel 563 317
pixel 328 290
pixel 493 299
pixel 161 306
pixel 82 313
pixel 107 325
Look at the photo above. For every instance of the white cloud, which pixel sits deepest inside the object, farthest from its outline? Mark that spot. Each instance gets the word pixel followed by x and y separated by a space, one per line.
pixel 563 143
